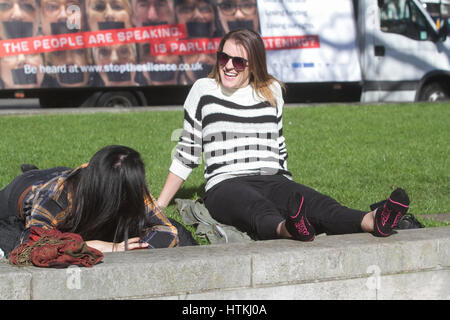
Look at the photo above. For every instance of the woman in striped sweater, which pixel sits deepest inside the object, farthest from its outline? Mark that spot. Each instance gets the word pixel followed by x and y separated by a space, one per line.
pixel 234 117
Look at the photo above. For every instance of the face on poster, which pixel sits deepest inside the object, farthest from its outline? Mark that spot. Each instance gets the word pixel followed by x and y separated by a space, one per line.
pixel 234 14
pixel 18 18
pixel 108 14
pixel 22 71
pixel 164 68
pixel 113 61
pixel 152 12
pixel 61 16
pixel 64 66
pixel 197 16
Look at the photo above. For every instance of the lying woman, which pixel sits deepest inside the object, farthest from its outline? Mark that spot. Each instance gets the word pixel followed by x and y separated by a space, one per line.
pixel 106 201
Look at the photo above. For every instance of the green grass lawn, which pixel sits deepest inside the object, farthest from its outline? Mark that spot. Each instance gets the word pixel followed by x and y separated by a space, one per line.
pixel 356 154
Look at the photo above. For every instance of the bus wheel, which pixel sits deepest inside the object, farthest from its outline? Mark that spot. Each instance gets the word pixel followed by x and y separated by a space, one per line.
pixel 117 99
pixel 433 92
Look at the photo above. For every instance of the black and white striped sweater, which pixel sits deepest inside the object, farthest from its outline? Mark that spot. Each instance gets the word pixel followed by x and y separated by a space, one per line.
pixel 238 132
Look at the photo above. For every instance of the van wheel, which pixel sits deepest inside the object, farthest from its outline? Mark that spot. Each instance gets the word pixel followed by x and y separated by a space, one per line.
pixel 433 92
pixel 117 99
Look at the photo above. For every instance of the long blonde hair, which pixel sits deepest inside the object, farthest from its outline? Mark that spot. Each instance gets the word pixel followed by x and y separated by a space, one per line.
pixel 260 79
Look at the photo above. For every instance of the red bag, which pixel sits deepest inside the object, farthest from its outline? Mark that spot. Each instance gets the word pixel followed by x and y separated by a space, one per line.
pixel 54 249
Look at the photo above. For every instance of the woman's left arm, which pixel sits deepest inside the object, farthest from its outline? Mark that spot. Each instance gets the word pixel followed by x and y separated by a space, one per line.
pixel 104 246
pixel 158 233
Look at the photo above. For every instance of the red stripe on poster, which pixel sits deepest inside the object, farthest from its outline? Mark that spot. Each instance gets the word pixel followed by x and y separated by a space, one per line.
pixel 185 46
pixel 90 39
pixel 292 42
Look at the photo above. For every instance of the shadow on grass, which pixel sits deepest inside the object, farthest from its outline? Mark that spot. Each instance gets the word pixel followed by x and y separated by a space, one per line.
pixel 192 193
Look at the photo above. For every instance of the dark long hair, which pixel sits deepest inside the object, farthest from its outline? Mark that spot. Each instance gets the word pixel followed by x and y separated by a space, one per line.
pixel 253 44
pixel 108 196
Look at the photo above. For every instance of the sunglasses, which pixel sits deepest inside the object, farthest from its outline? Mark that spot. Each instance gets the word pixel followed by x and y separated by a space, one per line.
pixel 239 63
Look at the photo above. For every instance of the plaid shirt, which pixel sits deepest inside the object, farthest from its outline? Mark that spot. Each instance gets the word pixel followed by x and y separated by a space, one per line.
pixel 48 204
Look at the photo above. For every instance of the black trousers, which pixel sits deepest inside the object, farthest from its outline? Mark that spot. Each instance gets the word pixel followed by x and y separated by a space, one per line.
pixel 9 196
pixel 257 204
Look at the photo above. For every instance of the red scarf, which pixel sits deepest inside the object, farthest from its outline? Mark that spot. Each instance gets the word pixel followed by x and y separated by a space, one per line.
pixel 54 249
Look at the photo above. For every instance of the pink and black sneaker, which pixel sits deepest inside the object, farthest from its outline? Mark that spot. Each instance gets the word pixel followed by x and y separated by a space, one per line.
pixel 297 223
pixel 388 216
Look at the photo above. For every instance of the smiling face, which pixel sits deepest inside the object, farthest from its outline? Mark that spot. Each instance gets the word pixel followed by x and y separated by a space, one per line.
pixel 229 76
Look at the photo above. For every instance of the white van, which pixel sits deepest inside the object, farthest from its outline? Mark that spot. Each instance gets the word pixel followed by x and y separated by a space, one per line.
pixel 404 56
pixel 391 49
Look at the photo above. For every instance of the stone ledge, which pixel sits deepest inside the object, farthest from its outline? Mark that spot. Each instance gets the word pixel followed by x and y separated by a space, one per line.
pixel 356 266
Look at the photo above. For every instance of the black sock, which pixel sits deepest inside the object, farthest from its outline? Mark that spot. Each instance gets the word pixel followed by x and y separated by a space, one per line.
pixel 388 216
pixel 297 223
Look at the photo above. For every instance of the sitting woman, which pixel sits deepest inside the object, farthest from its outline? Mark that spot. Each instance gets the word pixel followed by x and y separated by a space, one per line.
pixel 106 201
pixel 234 119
